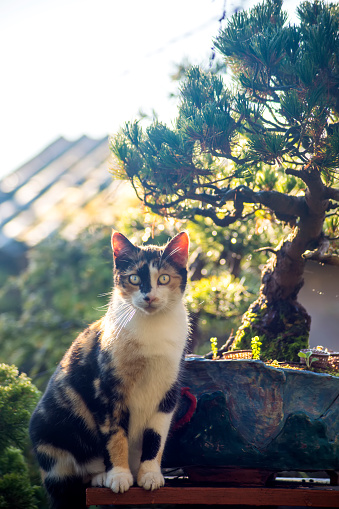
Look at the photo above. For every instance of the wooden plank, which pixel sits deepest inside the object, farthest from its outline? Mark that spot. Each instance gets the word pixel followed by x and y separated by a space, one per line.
pixel 229 476
pixel 207 495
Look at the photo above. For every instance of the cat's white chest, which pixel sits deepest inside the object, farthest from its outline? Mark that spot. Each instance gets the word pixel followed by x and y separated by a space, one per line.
pixel 143 401
pixel 163 334
pixel 155 380
pixel 161 341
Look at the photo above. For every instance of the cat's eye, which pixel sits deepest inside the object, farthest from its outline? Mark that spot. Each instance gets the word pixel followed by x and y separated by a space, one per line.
pixel 164 279
pixel 134 279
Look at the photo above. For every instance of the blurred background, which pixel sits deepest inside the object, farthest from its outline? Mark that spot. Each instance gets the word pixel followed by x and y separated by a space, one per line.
pixel 73 72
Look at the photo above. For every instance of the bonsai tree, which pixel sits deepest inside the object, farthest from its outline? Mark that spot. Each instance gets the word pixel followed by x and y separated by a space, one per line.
pixel 260 142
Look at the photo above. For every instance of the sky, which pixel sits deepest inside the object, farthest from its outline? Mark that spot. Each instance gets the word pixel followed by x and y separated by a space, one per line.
pixel 74 67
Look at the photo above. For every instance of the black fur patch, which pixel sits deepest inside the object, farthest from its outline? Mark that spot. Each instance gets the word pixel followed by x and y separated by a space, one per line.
pixel 124 421
pixel 45 461
pixel 68 493
pixel 59 427
pixel 81 375
pixel 144 273
pixel 150 445
pixel 168 403
pixel 109 382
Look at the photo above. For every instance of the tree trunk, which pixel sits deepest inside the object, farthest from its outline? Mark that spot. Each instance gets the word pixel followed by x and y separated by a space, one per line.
pixel 277 317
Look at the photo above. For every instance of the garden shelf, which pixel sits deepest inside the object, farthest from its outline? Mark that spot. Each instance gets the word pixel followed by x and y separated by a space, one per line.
pixel 180 493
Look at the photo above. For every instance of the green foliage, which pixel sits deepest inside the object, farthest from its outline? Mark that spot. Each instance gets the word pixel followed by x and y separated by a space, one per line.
pixel 214 347
pixel 282 329
pixel 48 304
pixel 18 397
pixel 205 111
pixel 255 347
pixel 219 302
pixel 307 357
pixel 254 37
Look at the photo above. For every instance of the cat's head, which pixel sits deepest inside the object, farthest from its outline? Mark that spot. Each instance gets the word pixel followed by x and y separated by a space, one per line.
pixel 150 278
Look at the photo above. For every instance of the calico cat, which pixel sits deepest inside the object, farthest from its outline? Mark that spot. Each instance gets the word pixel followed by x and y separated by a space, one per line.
pixel 107 410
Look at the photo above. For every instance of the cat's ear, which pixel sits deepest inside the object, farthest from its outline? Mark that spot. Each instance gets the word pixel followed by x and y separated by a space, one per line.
pixel 121 245
pixel 177 250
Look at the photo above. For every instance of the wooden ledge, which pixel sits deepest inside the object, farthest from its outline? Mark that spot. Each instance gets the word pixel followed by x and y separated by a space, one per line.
pixel 315 496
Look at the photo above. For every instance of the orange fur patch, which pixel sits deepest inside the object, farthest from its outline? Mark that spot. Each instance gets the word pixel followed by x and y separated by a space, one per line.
pixel 118 449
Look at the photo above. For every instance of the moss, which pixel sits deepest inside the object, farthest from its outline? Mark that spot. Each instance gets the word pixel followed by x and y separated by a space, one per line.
pixel 283 329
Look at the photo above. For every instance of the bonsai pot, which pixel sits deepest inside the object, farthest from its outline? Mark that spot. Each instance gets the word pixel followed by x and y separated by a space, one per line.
pixel 244 414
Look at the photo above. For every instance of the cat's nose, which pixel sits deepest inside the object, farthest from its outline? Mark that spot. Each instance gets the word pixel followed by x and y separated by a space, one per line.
pixel 149 298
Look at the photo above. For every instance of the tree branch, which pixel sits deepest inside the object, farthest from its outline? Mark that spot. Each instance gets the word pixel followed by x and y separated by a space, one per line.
pixel 331 193
pixel 293 206
pixel 218 221
pixel 229 156
pixel 328 259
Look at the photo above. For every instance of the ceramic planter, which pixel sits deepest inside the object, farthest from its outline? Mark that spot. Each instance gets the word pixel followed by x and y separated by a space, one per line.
pixel 250 415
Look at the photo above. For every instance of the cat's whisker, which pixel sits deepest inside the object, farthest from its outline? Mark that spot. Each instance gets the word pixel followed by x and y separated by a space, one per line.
pixel 128 317
pixel 105 294
pixel 103 307
pixel 125 306
pixel 124 323
pixel 118 320
pixel 120 310
pixel 126 313
pixel 121 314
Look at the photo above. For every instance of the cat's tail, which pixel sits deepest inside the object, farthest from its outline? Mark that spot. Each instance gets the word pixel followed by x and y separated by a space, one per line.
pixel 67 493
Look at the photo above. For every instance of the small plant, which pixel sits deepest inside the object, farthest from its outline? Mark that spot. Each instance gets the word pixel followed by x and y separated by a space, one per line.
pixel 255 346
pixel 307 356
pixel 214 346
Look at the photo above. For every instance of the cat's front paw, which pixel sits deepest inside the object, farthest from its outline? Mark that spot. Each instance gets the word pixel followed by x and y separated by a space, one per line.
pixel 151 480
pixel 99 479
pixel 119 479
